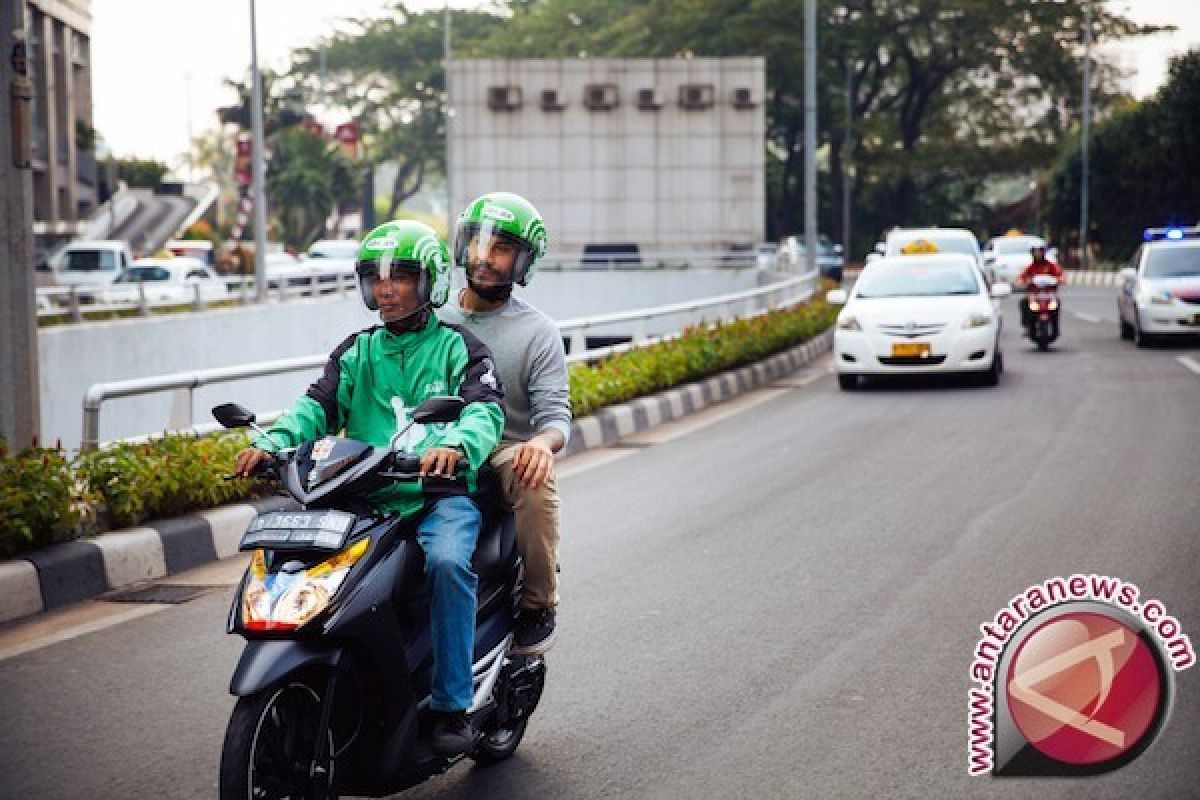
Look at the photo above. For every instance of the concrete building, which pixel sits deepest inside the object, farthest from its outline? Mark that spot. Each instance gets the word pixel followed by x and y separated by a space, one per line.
pixel 58 33
pixel 665 154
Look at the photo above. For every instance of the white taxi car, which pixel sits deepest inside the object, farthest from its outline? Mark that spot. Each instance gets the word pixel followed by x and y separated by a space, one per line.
pixel 1160 291
pixel 917 314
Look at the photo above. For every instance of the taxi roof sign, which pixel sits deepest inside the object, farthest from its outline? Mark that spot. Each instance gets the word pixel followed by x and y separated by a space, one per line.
pixel 919 246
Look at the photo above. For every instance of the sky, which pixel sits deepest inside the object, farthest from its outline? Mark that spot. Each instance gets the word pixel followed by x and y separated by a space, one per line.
pixel 158 65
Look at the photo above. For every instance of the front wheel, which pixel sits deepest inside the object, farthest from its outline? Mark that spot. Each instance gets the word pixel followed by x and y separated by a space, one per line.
pixel 269 746
pixel 499 742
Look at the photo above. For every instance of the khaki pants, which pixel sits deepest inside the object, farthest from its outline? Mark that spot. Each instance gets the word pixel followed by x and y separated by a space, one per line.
pixel 536 512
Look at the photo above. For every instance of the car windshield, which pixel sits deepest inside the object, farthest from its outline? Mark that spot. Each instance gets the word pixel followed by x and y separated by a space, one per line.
pixel 1015 246
pixel 917 279
pixel 91 260
pixel 139 274
pixel 1173 262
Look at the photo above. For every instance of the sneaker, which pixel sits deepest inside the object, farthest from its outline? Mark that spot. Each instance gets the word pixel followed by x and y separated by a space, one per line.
pixel 535 631
pixel 452 733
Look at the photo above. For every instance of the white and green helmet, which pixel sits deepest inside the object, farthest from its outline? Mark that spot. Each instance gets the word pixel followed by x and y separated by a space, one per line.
pixel 404 245
pixel 508 216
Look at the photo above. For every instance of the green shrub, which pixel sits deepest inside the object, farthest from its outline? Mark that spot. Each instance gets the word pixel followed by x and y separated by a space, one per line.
pixel 697 353
pixel 39 504
pixel 164 477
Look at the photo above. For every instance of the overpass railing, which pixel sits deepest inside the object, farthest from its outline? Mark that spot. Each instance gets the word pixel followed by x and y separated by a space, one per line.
pixel 734 305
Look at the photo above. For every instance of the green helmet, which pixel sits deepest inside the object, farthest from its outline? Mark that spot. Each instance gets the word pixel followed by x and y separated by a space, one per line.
pixel 507 216
pixel 407 245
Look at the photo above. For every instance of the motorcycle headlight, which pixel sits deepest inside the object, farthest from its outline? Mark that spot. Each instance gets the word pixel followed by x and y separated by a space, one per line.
pixel 1052 305
pixel 977 321
pixel 281 601
pixel 847 323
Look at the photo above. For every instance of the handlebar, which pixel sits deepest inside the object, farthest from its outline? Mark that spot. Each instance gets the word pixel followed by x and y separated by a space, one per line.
pixel 410 463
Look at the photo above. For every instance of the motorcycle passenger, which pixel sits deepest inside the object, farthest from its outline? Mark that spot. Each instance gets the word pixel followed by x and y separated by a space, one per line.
pixel 370 386
pixel 1040 265
pixel 497 241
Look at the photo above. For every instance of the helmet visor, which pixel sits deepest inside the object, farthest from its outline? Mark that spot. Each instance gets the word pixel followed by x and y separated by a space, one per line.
pixel 492 257
pixel 371 271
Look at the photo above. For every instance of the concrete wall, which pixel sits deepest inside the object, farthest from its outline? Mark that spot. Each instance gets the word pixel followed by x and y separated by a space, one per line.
pixel 669 179
pixel 73 357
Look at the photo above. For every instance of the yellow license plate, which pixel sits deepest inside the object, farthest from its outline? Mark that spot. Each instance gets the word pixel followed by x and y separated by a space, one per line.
pixel 910 349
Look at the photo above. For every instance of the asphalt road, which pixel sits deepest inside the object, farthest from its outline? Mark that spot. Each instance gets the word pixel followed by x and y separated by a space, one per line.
pixel 779 599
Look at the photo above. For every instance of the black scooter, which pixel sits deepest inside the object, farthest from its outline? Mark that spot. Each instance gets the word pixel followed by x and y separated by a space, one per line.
pixel 333 685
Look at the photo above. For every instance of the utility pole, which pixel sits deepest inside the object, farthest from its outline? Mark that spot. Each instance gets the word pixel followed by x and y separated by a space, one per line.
pixel 847 149
pixel 810 134
pixel 449 120
pixel 259 161
pixel 1087 130
pixel 19 393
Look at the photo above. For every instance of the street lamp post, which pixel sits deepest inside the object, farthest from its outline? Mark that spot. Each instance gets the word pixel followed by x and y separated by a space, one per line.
pixel 810 134
pixel 258 162
pixel 1087 124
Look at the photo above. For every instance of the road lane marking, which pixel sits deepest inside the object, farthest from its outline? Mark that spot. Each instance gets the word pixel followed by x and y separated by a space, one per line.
pixel 1190 363
pixel 1085 317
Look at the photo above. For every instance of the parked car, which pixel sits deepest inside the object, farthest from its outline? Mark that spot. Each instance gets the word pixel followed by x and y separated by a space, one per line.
pixel 331 256
pixel 91 264
pixel 1159 293
pixel 166 280
pixel 917 314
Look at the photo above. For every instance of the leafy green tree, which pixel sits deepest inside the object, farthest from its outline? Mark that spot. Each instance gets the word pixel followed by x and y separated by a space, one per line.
pixel 140 173
pixel 306 180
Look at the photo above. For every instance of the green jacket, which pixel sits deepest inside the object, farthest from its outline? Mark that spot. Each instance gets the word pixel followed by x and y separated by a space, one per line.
pixel 375 379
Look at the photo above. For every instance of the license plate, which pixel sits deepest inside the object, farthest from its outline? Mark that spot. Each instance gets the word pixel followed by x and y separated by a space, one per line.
pixel 910 349
pixel 319 529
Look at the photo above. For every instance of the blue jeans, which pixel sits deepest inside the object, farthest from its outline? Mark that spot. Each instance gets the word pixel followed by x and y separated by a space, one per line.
pixel 448 534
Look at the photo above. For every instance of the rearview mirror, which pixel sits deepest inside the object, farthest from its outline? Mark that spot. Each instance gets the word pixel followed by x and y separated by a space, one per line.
pixel 231 415
pixel 441 408
pixel 836 297
pixel 880 248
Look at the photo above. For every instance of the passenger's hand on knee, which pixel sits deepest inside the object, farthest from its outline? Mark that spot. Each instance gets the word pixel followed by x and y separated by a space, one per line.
pixel 532 463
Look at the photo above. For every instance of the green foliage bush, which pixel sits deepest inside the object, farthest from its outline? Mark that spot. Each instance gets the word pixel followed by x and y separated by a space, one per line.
pixel 39 504
pixel 698 353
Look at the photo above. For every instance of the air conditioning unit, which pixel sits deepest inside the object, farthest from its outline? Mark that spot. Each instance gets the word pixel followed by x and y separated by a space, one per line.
pixel 552 100
pixel 504 98
pixel 696 96
pixel 600 96
pixel 649 99
pixel 743 98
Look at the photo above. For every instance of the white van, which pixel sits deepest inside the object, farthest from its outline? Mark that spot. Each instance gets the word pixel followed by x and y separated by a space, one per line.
pixel 92 263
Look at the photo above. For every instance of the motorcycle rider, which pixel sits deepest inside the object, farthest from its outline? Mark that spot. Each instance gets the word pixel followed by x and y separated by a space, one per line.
pixel 370 386
pixel 497 241
pixel 1040 265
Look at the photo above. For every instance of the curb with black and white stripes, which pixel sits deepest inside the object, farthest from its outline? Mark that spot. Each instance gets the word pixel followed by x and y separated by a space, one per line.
pixel 66 573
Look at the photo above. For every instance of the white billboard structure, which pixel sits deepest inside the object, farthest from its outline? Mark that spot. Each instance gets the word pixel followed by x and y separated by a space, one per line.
pixel 665 155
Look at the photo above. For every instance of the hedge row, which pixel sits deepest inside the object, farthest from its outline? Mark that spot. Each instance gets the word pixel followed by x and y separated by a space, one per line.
pixel 47 496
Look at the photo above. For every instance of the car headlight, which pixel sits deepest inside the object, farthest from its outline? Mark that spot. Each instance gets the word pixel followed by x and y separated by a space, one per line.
pixel 977 321
pixel 281 601
pixel 846 323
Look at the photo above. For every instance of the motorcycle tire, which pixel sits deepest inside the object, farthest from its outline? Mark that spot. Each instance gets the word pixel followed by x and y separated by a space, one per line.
pixel 270 726
pixel 1043 345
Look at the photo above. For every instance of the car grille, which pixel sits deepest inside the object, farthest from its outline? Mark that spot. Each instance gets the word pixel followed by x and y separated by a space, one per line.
pixel 919 329
pixel 911 361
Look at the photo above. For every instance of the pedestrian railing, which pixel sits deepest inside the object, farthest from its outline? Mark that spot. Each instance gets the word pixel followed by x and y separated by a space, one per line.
pixel 735 305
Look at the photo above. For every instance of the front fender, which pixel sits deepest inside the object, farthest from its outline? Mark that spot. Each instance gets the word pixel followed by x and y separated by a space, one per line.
pixel 265 663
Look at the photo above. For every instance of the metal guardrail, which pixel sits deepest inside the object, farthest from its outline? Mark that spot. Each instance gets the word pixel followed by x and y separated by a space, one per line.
pixel 753 302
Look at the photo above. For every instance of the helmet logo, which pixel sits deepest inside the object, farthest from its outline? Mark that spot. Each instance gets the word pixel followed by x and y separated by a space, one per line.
pixel 382 243
pixel 499 213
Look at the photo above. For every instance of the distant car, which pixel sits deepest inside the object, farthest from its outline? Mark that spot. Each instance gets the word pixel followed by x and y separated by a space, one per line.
pixel 285 269
pixel 947 240
pixel 1004 257
pixel 1159 293
pixel 332 256
pixel 830 257
pixel 199 249
pixel 90 265
pixel 166 280
pixel 767 255
pixel 918 314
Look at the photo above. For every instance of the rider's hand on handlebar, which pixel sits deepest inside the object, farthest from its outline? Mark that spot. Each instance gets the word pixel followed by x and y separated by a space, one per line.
pixel 439 462
pixel 249 461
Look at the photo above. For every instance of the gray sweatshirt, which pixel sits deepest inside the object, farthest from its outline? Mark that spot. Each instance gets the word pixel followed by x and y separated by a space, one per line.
pixel 529 355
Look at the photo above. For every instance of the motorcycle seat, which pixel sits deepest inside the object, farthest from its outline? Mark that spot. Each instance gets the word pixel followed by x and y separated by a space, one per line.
pixel 494 550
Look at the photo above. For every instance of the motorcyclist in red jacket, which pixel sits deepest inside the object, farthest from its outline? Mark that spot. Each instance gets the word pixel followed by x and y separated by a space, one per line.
pixel 1039 266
